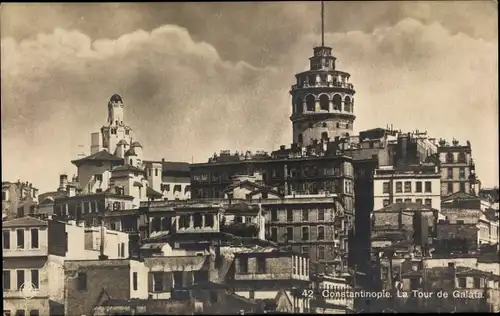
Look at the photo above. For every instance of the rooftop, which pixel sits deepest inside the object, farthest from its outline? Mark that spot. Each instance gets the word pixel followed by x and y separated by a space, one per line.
pixel 398 207
pixel 102 155
pixel 26 221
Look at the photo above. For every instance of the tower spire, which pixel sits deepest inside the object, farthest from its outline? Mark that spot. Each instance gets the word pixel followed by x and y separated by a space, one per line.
pixel 322 23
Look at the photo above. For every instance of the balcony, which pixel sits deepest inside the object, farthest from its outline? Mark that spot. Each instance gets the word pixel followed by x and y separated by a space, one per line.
pixel 240 229
pixel 324 84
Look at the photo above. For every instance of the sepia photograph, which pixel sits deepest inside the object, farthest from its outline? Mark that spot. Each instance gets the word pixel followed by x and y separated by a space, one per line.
pixel 250 157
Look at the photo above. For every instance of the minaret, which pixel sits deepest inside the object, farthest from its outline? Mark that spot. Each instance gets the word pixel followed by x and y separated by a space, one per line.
pixel 322 99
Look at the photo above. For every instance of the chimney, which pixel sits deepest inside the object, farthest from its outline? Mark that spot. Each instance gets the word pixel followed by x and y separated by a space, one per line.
pixel 162 159
pixel 71 190
pixel 80 224
pixel 63 182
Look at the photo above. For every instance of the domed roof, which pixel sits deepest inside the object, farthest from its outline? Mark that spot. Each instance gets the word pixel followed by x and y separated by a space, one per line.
pixel 130 152
pixel 136 144
pixel 116 98
pixel 122 142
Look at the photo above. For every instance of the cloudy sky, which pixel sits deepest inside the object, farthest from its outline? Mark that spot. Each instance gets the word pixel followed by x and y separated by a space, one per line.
pixel 200 77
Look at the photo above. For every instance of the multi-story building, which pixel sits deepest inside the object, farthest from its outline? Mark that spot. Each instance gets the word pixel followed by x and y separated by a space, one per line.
pixel 170 178
pixel 331 295
pixel 34 252
pixel 419 184
pixel 469 218
pixel 18 199
pixel 457 168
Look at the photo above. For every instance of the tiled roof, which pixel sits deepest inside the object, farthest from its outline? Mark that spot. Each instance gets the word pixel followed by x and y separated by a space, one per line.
pixel 102 155
pixel 150 192
pixel 397 207
pixel 127 168
pixel 24 222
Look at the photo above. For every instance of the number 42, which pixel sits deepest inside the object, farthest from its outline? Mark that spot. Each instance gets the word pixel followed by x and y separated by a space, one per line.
pixel 307 293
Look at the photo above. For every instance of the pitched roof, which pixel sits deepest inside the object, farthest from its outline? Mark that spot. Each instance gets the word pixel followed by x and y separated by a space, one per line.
pixel 24 222
pixel 127 168
pixel 102 155
pixel 459 196
pixel 150 192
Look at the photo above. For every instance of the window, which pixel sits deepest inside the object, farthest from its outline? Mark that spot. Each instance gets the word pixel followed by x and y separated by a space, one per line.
pixel 321 232
pixel 4 196
pixel 462 173
pixel 337 102
pixel 6 280
pixel 274 233
pixel 449 158
pixel 6 313
pixel 20 238
pixel 321 214
pixel 477 283
pixel 123 249
pixel 6 239
pixel 209 220
pixel 386 202
pixel 450 187
pixel 324 136
pixel 407 200
pixel 305 215
pixel 82 281
pixel 261 265
pixel 428 202
pixel 243 265
pixel 460 221
pixel 305 250
pixel 310 103
pixel 119 249
pixel 251 294
pixel 20 278
pixel 428 186
pixel 347 104
pixel 289 215
pixel 305 233
pixel 386 187
pixel 274 215
pixel 450 173
pixel 198 220
pixel 321 252
pixel 418 201
pixel 462 283
pixel 35 279
pixel 34 238
pixel 156 172
pixel 462 186
pixel 399 187
pixel 289 233
pixel 134 281
pixel 34 312
pixel 300 138
pixel 461 158
pixel 414 283
pixel 20 312
pixel 407 186
pixel 399 200
pixel 418 187
pixel 324 103
pixel 157 281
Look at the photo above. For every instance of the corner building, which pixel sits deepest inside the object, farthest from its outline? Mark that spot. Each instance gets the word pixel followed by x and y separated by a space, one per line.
pixel 322 101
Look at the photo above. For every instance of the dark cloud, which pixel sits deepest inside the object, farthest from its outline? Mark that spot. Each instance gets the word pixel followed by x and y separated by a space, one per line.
pixel 222 83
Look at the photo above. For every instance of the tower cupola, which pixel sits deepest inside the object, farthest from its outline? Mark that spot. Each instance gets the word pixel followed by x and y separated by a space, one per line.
pixel 322 99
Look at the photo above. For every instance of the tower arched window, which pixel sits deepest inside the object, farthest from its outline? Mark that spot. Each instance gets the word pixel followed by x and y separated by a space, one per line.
pixel 310 103
pixel 337 102
pixel 449 158
pixel 324 124
pixel 299 106
pixel 347 125
pixel 347 104
pixel 324 136
pixel 300 138
pixel 324 102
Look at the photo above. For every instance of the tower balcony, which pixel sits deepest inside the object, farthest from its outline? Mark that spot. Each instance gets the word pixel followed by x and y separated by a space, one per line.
pixel 306 116
pixel 324 84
